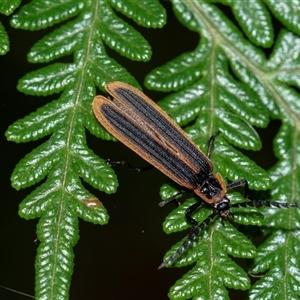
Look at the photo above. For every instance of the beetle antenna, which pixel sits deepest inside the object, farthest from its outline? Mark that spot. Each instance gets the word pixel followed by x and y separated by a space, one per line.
pixel 258 203
pixel 191 236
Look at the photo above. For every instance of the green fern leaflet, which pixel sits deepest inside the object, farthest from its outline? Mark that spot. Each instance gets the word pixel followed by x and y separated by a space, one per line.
pixel 6 8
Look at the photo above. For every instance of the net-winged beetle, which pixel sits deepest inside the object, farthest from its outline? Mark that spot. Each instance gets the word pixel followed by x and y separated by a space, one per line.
pixel 136 121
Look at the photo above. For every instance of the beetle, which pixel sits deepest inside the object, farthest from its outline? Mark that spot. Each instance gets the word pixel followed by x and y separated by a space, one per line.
pixel 136 121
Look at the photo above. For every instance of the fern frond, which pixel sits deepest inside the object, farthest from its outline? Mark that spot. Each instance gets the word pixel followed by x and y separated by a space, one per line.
pixel 227 84
pixel 64 159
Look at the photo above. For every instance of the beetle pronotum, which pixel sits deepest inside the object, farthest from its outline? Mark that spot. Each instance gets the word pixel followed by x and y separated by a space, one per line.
pixel 136 121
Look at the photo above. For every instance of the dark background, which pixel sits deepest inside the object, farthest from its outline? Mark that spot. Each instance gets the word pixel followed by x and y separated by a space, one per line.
pixel 119 260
